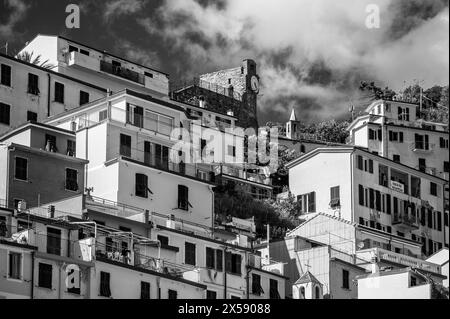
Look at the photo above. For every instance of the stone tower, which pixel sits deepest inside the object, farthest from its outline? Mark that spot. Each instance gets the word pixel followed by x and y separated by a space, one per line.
pixel 232 90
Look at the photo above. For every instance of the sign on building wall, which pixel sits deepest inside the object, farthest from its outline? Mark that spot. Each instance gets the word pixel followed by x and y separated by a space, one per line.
pixel 397 186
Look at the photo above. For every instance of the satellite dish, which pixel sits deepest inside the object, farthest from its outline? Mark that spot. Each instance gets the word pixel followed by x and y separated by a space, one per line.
pixel 361 245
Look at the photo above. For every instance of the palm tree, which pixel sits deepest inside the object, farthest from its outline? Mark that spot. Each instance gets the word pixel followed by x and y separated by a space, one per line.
pixel 28 57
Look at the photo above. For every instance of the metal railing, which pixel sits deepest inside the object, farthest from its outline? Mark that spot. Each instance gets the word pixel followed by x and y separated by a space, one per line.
pixel 405 220
pixel 213 87
pixel 122 72
pixel 422 146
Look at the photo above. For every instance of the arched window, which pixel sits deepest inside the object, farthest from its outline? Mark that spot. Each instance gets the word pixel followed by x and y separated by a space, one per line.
pixel 317 292
pixel 302 292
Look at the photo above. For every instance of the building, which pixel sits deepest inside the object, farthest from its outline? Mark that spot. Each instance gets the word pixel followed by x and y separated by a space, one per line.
pixel 391 129
pixel 32 93
pixel 38 165
pixel 96 66
pixel 395 284
pixel 232 91
pixel 441 258
pixel 361 187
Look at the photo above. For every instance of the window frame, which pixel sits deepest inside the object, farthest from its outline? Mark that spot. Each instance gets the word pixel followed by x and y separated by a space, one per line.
pixel 5 114
pixel 8 265
pixel 46 283
pixel 2 76
pixel 26 170
pixel 59 92
pixel 67 169
pixel 33 88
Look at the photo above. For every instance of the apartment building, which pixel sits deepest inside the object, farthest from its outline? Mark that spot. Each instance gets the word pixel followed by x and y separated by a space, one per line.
pixel 130 139
pixel 38 165
pixel 362 187
pixel 391 129
pixel 98 67
pixel 32 93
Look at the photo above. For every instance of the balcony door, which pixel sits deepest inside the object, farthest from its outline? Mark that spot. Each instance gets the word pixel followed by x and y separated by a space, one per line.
pixel 161 156
pixel 53 241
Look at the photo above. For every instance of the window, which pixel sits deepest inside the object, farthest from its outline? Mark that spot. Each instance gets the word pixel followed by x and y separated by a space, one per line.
pixel 102 115
pixel 274 294
pixel 125 145
pixel 150 75
pixel 172 294
pixel 415 187
pixel 372 134
pixel 210 258
pixel 5 78
pixel 31 116
pixel 256 285
pixel 189 253
pixel 345 279
pixel 413 281
pixel 45 276
pixel 84 98
pixel 183 197
pixel 71 148
pixel 233 263
pixel 232 150
pixel 433 189
pixel 211 294
pixel 334 197
pixel 135 115
pixel 72 49
pixel 105 290
pixel 59 92
pixel 147 152
pixel 307 202
pixel 5 113
pixel 396 158
pixel 383 175
pixel 317 289
pixel 161 156
pixel 71 179
pixel 163 240
pixel 50 143
pixel 360 162
pixel 141 185
pixel 15 265
pixel 219 260
pixel 53 241
pixel 33 84
pixel 422 164
pixel 446 167
pixel 361 195
pixel 145 290
pixel 21 171
pixel 84 52
pixel 439 221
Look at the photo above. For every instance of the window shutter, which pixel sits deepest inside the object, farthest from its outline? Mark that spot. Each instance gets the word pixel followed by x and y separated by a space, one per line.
pixel 228 261
pixel 312 202
pixel 361 195
pixel 219 260
pixel 388 204
pixel 183 197
pixel 370 166
pixel 360 162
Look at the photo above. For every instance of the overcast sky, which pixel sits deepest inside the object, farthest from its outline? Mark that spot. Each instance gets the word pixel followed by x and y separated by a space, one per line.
pixel 311 54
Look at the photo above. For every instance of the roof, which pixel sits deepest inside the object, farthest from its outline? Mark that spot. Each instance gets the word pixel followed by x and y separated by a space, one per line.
pixel 22 127
pixel 307 277
pixel 352 148
pixel 440 258
pixel 54 73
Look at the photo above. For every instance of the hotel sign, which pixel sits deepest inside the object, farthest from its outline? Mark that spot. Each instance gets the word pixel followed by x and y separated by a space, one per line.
pixel 397 186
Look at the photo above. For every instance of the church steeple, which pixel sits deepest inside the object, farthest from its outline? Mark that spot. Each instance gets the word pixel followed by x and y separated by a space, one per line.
pixel 292 126
pixel 293 116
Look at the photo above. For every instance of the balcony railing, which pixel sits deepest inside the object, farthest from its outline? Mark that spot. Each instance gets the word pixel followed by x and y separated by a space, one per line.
pixel 428 170
pixel 196 81
pixel 242 173
pixel 420 146
pixel 122 72
pixel 405 220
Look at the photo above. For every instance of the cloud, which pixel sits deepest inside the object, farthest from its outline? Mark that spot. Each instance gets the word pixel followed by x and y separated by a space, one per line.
pixel 16 12
pixel 139 55
pixel 117 8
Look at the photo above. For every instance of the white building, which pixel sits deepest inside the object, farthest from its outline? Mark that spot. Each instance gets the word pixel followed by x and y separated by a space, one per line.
pixel 31 93
pixel 97 66
pixel 395 284
pixel 130 157
pixel 392 130
pixel 362 187
pixel 441 258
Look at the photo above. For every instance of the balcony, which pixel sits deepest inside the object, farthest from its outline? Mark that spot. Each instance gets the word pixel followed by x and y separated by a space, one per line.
pixel 422 147
pixel 428 170
pixel 400 259
pixel 122 72
pixel 77 59
pixel 405 221
pixel 243 173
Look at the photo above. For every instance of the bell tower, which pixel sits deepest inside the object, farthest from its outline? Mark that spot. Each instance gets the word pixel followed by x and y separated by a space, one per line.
pixel 292 126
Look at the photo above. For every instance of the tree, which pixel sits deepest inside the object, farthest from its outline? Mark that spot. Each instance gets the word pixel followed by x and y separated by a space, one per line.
pixel 28 57
pixel 377 92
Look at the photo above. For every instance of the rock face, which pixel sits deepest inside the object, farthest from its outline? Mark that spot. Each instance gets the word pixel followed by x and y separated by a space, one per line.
pixel 228 90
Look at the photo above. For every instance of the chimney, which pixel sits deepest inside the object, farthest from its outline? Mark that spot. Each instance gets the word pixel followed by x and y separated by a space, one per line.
pixel 146 217
pixel 201 102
